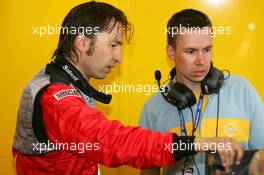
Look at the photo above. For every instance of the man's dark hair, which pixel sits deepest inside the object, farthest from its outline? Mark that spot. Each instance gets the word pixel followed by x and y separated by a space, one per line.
pixel 188 18
pixel 92 15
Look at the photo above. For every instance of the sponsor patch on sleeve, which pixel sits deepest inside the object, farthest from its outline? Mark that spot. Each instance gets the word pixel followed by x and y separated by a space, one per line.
pixel 65 93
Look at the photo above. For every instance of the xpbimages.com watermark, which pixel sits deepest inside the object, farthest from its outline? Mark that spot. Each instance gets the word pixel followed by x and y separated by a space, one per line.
pixel 214 31
pixel 57 30
pixel 80 147
pixel 146 89
pixel 212 147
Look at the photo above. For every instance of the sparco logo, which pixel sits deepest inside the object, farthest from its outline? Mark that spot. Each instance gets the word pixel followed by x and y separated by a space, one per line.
pixel 66 68
pixel 64 93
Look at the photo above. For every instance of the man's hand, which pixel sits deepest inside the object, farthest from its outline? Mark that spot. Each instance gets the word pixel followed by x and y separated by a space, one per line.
pixel 261 161
pixel 257 163
pixel 228 149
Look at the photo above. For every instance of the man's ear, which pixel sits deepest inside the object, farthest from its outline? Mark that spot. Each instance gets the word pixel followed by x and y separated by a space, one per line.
pixel 82 43
pixel 170 52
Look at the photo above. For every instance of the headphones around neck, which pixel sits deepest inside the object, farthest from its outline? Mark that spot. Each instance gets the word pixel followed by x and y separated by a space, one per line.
pixel 181 96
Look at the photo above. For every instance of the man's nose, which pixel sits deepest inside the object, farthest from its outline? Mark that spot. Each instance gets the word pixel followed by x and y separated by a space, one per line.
pixel 200 59
pixel 118 56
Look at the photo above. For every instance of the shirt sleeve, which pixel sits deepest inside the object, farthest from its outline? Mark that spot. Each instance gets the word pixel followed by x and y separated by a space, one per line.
pixel 256 113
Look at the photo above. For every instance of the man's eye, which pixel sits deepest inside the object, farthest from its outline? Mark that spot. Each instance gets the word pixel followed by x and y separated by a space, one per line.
pixel 190 51
pixel 207 50
pixel 113 45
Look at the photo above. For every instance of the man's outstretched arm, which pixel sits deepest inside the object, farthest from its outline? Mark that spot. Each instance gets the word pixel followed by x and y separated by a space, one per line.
pixel 69 120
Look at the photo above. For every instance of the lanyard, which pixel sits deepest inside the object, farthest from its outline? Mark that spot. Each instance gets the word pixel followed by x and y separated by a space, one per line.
pixel 197 117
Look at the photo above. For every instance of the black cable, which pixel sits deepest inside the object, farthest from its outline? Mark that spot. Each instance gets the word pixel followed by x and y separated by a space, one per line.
pixel 184 126
pixel 218 102
pixel 217 117
pixel 193 131
pixel 196 165
pixel 193 122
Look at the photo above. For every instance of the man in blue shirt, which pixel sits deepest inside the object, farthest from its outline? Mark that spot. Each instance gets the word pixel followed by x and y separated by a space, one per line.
pixel 227 105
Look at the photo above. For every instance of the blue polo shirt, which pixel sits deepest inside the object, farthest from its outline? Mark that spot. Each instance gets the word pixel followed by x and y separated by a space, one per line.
pixel 241 117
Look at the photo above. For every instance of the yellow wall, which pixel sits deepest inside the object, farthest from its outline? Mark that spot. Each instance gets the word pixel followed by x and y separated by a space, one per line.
pixel 23 54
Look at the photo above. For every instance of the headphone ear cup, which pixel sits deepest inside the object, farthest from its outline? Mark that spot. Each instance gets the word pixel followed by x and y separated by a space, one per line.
pixel 213 81
pixel 181 96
